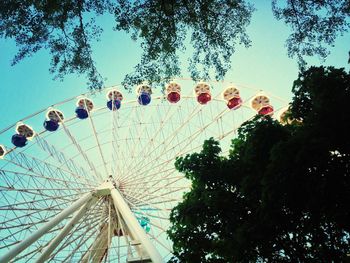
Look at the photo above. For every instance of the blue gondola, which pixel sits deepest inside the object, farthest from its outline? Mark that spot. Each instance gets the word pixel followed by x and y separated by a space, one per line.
pixel 144 98
pixel 19 140
pixel 81 112
pixel 51 125
pixel 117 104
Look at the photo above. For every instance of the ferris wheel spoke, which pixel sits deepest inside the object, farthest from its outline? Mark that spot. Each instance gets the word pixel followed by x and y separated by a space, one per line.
pixel 45 228
pixel 164 201
pixel 57 181
pixel 173 134
pixel 203 127
pixel 168 183
pixel 78 241
pixel 136 134
pixel 88 223
pixel 141 202
pixel 146 196
pixel 56 202
pixel 33 214
pixel 34 224
pixel 160 217
pixel 177 154
pixel 183 142
pixel 168 193
pixel 64 231
pixel 59 156
pixel 84 237
pixel 143 130
pixel 33 251
pixel 113 131
pixel 151 177
pixel 137 182
pixel 82 153
pixel 24 225
pixel 97 166
pixel 165 177
pixel 18 241
pixel 38 193
pixel 161 201
pixel 44 189
pixel 121 159
pixel 151 139
pixel 154 192
pixel 38 167
pixel 131 116
pixel 170 137
pixel 98 144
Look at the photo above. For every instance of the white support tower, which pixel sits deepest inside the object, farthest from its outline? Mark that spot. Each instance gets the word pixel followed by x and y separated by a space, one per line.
pixel 146 251
pixel 135 229
pixel 45 228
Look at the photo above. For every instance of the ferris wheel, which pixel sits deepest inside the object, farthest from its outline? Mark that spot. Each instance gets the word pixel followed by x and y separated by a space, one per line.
pixel 97 182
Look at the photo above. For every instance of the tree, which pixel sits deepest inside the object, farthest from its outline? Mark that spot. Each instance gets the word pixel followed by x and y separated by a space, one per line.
pixel 67 28
pixel 315 25
pixel 213 28
pixel 282 194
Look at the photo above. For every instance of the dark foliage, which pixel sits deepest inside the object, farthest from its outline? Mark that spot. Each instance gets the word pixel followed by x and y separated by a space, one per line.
pixel 283 194
pixel 60 27
pixel 315 24
pixel 213 28
pixel 67 28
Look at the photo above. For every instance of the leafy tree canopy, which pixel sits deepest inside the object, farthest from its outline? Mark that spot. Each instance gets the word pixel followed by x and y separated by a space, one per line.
pixel 67 28
pixel 282 194
pixel 213 27
pixel 314 24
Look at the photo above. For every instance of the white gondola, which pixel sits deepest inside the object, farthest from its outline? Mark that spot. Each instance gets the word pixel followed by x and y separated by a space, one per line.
pixel 25 130
pixel 85 103
pixel 202 92
pixel 230 92
pixel 232 97
pixel 114 94
pixel 143 88
pixel 2 151
pixel 173 92
pixel 54 115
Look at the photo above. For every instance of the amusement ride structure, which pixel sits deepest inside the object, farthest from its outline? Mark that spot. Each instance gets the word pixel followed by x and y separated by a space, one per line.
pixel 97 182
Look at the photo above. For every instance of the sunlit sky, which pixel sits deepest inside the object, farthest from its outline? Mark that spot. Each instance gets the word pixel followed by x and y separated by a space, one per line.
pixel 28 86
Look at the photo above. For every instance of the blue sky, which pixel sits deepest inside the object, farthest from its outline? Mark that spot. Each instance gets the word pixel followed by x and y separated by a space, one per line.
pixel 28 86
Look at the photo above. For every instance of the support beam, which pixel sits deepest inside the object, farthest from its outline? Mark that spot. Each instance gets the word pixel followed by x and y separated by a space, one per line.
pixel 134 226
pixel 96 252
pixel 45 228
pixel 67 228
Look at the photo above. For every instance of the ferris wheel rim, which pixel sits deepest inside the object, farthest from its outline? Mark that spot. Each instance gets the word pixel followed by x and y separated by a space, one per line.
pixel 121 86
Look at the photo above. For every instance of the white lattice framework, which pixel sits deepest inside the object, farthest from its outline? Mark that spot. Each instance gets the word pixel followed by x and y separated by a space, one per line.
pixel 79 194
